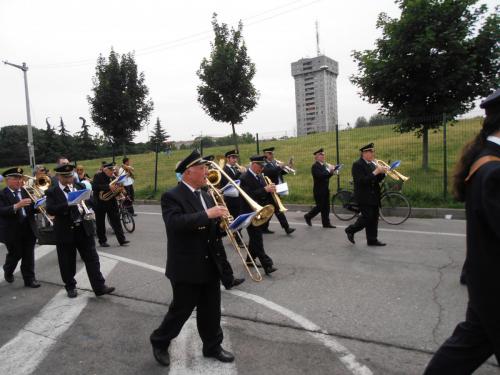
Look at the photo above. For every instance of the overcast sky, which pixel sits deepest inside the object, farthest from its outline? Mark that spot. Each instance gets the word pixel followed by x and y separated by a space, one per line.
pixel 60 41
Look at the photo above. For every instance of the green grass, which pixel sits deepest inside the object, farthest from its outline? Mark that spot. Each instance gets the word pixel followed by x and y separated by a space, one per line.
pixel 425 188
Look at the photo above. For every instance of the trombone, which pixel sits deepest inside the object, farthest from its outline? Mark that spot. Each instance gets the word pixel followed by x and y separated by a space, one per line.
pixel 286 167
pixel 394 174
pixel 36 190
pixel 275 196
pixel 252 270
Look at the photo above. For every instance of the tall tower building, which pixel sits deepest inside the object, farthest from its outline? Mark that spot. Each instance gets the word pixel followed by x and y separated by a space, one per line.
pixel 316 94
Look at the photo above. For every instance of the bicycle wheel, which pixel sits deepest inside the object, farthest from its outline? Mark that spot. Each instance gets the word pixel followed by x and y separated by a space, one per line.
pixel 128 221
pixel 341 203
pixel 394 208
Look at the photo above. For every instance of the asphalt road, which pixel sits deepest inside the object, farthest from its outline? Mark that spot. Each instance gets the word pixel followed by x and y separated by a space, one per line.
pixel 331 308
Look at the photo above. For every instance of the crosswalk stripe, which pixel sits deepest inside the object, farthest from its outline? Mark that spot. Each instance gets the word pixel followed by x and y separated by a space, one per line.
pixel 40 251
pixel 24 352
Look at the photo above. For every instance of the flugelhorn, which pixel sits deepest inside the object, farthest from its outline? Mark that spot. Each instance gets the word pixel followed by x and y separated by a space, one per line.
pixel 226 221
pixel 262 214
pixel 392 173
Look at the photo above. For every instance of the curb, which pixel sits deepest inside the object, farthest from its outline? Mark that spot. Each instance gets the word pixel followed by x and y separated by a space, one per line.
pixel 416 212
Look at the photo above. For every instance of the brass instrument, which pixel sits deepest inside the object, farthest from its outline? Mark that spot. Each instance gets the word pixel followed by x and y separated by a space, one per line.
pixel 226 221
pixel 35 188
pixel 222 164
pixel 263 214
pixel 129 170
pixel 286 167
pixel 394 174
pixel 106 196
pixel 275 196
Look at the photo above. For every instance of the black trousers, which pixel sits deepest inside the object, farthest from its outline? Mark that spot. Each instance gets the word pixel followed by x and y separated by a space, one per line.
pixel 23 249
pixel 322 200
pixel 281 218
pixel 66 255
pixel 256 246
pixel 131 195
pixel 206 298
pixel 368 220
pixel 100 220
pixel 469 346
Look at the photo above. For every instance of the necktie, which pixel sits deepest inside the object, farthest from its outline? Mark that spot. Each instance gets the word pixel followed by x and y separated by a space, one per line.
pixel 198 194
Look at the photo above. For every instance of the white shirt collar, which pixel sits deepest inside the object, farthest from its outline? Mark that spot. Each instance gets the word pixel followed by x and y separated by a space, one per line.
pixel 190 187
pixel 494 139
pixel 61 186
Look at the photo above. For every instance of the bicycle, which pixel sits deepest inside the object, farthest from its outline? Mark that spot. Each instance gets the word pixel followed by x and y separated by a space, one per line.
pixel 124 214
pixel 392 202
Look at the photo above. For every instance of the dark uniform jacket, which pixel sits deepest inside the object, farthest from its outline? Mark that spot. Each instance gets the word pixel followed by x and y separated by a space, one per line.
pixel 483 243
pixel 321 177
pixel 64 221
pixel 366 184
pixel 255 190
pixel 10 230
pixel 233 203
pixel 194 245
pixel 100 183
pixel 274 172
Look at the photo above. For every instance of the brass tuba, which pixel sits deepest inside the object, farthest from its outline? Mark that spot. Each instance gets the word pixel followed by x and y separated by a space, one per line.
pixel 275 196
pixel 394 174
pixel 108 195
pixel 263 214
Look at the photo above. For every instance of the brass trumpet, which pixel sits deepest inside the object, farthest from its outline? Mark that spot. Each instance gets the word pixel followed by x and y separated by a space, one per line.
pixel 394 174
pixel 286 167
pixel 275 196
pixel 226 221
pixel 263 214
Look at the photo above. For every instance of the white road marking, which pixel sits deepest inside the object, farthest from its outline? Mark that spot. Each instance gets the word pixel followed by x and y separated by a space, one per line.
pixel 23 353
pixel 346 357
pixel 40 251
pixel 345 226
pixel 132 261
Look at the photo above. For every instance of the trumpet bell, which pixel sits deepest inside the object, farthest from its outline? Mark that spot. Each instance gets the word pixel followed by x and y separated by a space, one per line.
pixel 214 176
pixel 263 215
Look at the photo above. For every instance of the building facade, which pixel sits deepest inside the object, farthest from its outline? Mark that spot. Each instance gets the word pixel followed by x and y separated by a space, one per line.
pixel 315 94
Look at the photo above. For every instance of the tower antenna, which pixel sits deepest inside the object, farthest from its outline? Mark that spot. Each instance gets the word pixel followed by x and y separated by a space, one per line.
pixel 317 38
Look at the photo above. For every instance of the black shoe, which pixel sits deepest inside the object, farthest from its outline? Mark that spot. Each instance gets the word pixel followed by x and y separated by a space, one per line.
pixel 269 270
pixel 376 243
pixel 237 282
pixel 72 293
pixel 308 220
pixel 289 230
pixel 105 290
pixel 9 278
pixel 267 231
pixel 221 355
pixel 134 214
pixel 32 284
pixel 329 226
pixel 124 242
pixel 161 356
pixel 104 244
pixel 350 236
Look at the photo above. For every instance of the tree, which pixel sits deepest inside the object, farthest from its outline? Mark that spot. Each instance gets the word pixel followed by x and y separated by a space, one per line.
pixel 227 93
pixel 120 105
pixel 437 58
pixel 84 144
pixel 158 136
pixel 66 141
pixel 361 122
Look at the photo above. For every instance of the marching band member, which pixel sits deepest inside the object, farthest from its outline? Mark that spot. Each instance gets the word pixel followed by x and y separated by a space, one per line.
pixel 101 184
pixel 367 176
pixel 73 232
pixel 17 228
pixel 477 183
pixel 254 185
pixel 275 172
pixel 194 248
pixel 127 169
pixel 321 173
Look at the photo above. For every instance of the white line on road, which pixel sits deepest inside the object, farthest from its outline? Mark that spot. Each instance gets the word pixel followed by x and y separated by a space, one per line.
pixel 346 357
pixel 40 251
pixel 24 352
pixel 345 226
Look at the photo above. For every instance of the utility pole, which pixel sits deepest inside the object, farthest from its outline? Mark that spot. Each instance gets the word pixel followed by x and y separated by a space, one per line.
pixel 31 148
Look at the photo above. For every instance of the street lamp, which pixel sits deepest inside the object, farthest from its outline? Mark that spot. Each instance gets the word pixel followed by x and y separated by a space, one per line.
pixel 31 148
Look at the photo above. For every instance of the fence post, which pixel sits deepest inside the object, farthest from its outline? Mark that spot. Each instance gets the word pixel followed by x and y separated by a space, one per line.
pixel 156 167
pixel 257 142
pixel 445 160
pixel 338 153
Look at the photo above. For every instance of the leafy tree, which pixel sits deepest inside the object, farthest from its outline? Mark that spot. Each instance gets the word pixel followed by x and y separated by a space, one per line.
pixel 120 105
pixel 84 143
pixel 361 122
pixel 158 136
pixel 227 93
pixel 380 119
pixel 437 58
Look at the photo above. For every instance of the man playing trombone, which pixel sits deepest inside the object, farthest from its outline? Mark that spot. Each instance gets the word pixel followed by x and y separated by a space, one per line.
pixel 275 171
pixel 194 250
pixel 321 172
pixel 17 228
pixel 367 175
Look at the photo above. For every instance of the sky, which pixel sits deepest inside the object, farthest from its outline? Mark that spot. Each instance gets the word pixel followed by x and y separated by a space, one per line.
pixel 60 41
